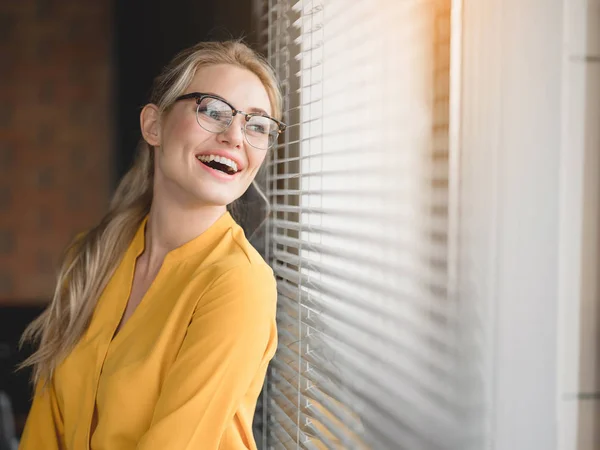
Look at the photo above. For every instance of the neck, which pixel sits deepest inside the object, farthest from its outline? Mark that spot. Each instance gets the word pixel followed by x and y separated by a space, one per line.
pixel 170 226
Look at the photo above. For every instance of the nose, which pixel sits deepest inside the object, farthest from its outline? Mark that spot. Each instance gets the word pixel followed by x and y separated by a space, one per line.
pixel 233 135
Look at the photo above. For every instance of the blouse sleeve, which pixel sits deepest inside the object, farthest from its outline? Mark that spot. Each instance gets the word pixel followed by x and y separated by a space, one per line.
pixel 44 426
pixel 230 340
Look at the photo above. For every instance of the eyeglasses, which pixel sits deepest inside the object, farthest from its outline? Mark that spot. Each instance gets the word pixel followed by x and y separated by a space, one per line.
pixel 215 114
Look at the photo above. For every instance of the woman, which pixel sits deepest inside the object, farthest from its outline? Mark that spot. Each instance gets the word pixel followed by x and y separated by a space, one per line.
pixel 163 320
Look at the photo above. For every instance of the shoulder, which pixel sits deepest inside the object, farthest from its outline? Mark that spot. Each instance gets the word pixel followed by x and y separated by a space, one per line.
pixel 243 248
pixel 242 296
pixel 234 256
pixel 239 279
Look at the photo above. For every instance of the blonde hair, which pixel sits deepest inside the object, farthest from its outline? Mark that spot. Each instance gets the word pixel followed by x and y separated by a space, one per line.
pixel 90 261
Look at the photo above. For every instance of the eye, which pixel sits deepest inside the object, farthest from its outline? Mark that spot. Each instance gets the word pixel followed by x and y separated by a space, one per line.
pixel 261 125
pixel 215 110
pixel 257 128
pixel 213 114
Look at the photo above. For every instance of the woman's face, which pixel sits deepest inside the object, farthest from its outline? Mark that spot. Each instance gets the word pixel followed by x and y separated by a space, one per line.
pixel 180 141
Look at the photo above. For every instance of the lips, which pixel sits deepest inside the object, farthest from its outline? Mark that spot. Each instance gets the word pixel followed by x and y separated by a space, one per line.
pixel 219 174
pixel 220 163
pixel 223 154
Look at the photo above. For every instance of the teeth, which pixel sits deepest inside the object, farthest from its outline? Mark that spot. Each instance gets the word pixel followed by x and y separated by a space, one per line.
pixel 219 159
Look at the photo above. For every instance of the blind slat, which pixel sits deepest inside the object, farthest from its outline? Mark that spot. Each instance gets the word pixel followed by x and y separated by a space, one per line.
pixel 352 298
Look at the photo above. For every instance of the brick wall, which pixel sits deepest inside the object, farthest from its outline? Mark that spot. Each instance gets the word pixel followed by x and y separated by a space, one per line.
pixel 55 135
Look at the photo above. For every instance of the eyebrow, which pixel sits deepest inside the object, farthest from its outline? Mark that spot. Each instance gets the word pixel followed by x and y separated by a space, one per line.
pixel 250 110
pixel 258 110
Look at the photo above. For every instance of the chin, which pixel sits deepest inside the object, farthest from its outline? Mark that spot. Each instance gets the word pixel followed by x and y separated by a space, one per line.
pixel 213 200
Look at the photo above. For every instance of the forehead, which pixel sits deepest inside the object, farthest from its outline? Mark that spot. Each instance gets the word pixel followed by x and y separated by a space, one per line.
pixel 240 87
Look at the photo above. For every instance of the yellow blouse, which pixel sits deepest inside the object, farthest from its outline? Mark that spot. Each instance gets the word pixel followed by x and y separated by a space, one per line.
pixel 185 370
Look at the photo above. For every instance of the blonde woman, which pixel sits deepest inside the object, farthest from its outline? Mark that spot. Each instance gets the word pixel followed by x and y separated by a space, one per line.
pixel 163 320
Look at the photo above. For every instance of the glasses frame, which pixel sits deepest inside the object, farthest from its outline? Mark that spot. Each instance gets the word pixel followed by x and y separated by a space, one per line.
pixel 199 96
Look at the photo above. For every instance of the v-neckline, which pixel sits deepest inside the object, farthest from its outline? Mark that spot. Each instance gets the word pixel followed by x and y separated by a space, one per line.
pixel 138 246
pixel 135 250
pixel 143 300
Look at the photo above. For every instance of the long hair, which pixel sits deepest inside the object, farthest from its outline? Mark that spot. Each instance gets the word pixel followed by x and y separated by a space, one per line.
pixel 90 261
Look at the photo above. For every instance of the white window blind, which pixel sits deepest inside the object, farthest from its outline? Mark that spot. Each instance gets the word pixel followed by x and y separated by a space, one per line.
pixel 372 351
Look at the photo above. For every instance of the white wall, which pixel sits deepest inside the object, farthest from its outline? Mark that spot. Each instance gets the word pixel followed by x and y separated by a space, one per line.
pixel 511 147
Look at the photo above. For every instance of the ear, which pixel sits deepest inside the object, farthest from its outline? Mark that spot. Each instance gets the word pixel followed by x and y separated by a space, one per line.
pixel 150 124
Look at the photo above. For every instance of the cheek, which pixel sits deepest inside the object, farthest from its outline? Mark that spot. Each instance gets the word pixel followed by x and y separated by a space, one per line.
pixel 256 158
pixel 182 132
pixel 184 129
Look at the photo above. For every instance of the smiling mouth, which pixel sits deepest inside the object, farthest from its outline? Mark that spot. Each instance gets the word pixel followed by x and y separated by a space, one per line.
pixel 219 163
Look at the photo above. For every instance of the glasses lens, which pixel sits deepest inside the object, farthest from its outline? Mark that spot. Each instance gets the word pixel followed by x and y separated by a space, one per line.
pixel 214 115
pixel 261 132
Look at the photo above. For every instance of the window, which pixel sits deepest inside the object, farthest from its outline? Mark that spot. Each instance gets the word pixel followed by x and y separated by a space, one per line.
pixel 371 353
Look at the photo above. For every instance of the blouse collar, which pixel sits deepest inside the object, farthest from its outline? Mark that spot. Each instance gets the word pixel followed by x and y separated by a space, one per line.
pixel 195 247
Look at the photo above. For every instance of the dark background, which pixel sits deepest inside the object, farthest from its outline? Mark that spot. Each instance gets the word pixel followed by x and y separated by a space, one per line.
pixel 74 77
